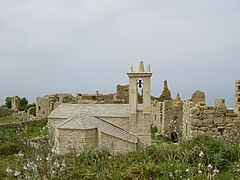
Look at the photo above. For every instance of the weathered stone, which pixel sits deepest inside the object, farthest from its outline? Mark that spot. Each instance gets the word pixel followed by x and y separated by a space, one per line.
pixel 220 105
pixel 207 121
pixel 228 120
pixel 209 111
pixel 198 96
pixel 166 94
pixel 218 120
pixel 204 129
pixel 193 116
pixel 195 111
pixel 196 122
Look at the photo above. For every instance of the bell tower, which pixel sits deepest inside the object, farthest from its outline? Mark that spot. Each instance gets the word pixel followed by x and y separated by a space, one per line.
pixel 140 114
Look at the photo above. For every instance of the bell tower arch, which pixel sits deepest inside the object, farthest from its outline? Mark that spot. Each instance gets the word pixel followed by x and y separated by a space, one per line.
pixel 140 115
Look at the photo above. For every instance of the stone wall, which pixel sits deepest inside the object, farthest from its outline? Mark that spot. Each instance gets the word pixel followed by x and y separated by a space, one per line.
pixel 52 122
pixel 216 121
pixel 5 112
pixel 237 98
pixel 157 115
pixel 167 117
pixel 121 122
pixel 75 140
pixel 172 118
pixel 116 145
pixel 46 104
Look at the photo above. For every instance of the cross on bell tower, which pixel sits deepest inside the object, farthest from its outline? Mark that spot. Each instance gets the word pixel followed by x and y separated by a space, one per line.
pixel 140 115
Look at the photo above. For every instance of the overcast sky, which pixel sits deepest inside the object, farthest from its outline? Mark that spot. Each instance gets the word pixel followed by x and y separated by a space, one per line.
pixel 80 46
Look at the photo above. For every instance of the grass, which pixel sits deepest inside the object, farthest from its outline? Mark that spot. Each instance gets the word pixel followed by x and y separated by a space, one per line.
pixel 164 160
pixel 10 119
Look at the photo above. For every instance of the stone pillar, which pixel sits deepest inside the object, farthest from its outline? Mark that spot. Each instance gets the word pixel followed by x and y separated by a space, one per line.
pixel 133 95
pixel 147 94
pixel 237 98
pixel 15 103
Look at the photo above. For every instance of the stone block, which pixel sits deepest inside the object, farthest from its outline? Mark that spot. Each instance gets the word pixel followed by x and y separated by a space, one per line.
pixel 228 120
pixel 196 122
pixel 218 120
pixel 208 121
pixel 195 111
pixel 204 129
pixel 209 111
pixel 193 116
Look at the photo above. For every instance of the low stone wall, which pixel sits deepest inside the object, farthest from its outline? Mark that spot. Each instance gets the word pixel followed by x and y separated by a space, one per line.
pixel 18 124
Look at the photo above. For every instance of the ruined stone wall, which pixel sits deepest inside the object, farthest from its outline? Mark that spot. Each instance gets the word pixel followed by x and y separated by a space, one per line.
pixel 237 98
pixel 5 112
pixel 172 118
pixel 75 140
pixel 216 121
pixel 116 145
pixel 46 104
pixel 122 94
pixel 15 101
pixel 157 115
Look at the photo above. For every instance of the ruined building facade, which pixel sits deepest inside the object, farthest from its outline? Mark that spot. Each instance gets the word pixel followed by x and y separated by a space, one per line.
pixel 193 117
pixel 46 104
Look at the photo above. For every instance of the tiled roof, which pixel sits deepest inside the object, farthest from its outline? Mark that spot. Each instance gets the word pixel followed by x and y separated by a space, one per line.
pixel 100 110
pixel 87 121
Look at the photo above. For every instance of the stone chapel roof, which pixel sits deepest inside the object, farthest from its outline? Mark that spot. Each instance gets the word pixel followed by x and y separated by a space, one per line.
pixel 86 121
pixel 65 111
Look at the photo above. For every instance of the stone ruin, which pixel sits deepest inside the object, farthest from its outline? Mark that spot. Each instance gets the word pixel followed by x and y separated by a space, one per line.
pixel 187 119
pixel 237 99
pixel 197 97
pixel 166 94
pixel 15 102
pixel 46 104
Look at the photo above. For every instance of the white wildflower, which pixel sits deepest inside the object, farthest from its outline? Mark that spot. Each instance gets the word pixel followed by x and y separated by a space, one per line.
pixel 16 173
pixel 29 164
pixel 210 166
pixel 170 174
pixel 25 167
pixel 199 172
pixel 215 171
pixel 20 154
pixel 48 158
pixel 201 155
pixel 8 170
pixel 38 158
pixel 53 150
pixel 187 170
pixel 56 164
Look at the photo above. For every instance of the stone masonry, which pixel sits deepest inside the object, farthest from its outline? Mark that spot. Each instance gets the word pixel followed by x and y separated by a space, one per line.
pixel 216 121
pixel 166 94
pixel 237 100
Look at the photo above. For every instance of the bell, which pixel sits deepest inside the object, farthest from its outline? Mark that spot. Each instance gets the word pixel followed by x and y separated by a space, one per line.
pixel 140 83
